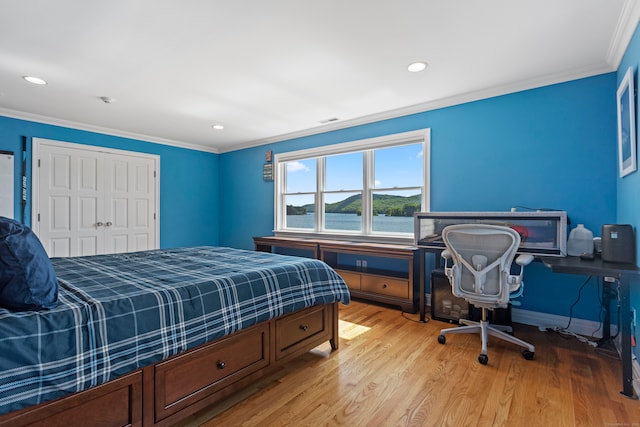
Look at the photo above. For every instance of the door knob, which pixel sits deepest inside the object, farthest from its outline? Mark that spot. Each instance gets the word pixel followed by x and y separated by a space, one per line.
pixel 109 224
pixel 99 224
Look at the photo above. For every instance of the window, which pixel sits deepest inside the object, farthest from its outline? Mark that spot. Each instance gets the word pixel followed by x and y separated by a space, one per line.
pixel 300 194
pixel 342 195
pixel 361 190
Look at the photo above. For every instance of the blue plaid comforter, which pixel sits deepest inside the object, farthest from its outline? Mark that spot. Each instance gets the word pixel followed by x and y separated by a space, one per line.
pixel 122 312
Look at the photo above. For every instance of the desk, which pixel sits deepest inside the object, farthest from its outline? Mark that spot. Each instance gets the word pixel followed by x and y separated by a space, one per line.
pixel 622 272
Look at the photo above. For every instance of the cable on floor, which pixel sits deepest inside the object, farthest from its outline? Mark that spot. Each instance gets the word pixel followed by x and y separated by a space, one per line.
pixel 404 314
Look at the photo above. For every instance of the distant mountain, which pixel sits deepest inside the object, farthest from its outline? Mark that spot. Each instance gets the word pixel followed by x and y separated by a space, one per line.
pixel 382 205
pixel 296 210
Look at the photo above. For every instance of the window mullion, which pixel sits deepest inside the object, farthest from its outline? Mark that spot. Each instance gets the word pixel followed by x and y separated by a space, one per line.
pixel 426 172
pixel 397 188
pixel 320 186
pixel 281 185
pixel 367 185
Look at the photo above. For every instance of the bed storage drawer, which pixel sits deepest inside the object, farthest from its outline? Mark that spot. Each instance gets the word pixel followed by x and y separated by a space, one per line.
pixel 187 378
pixel 116 403
pixel 298 330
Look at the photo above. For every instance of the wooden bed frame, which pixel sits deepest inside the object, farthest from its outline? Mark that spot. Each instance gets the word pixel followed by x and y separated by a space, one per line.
pixel 173 389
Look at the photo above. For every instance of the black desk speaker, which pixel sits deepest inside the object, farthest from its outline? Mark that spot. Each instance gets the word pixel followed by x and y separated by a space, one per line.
pixel 618 243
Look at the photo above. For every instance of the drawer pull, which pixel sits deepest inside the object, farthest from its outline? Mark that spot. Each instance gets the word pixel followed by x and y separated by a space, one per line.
pixel 304 327
pixel 384 286
pixel 221 364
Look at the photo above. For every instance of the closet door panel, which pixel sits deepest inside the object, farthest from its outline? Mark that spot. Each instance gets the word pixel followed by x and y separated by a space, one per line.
pixel 70 202
pixel 130 196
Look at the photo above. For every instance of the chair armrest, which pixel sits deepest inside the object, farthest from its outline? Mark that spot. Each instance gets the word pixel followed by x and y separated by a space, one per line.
pixel 448 270
pixel 523 260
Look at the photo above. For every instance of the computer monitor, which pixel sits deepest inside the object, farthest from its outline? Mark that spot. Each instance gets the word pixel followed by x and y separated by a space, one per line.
pixel 541 232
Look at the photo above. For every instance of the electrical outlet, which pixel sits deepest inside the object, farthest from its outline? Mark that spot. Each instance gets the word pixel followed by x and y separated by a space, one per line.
pixel 633 317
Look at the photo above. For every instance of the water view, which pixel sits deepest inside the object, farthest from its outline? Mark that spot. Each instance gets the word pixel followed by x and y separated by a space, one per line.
pixel 342 221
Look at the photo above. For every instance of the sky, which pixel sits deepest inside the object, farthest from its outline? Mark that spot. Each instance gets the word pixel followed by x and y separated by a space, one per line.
pixel 393 167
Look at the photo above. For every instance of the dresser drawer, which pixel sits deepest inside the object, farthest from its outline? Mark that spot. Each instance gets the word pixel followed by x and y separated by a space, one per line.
pixel 187 378
pixel 299 329
pixel 385 286
pixel 351 279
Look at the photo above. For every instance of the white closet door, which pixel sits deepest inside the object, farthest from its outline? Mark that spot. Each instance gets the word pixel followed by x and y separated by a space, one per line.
pixel 87 201
pixel 71 202
pixel 129 195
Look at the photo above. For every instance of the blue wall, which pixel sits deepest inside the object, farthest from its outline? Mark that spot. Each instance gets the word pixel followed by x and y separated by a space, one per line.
pixel 629 187
pixel 188 179
pixel 551 147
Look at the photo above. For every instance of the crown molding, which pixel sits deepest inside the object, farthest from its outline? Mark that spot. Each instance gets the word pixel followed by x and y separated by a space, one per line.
pixel 102 130
pixel 625 28
pixel 329 127
pixel 434 105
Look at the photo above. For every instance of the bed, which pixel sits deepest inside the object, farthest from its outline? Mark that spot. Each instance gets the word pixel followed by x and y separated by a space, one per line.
pixel 147 338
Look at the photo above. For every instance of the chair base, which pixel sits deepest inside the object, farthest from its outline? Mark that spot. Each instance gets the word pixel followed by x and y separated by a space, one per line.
pixel 485 329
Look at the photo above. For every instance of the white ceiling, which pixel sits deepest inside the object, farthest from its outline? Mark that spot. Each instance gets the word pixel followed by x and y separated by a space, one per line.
pixel 272 69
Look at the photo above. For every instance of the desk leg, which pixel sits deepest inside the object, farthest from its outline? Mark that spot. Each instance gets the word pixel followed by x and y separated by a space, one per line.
pixel 606 302
pixel 422 273
pixel 625 329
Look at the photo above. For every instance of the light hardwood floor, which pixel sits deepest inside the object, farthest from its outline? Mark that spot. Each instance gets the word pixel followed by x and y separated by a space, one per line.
pixel 390 371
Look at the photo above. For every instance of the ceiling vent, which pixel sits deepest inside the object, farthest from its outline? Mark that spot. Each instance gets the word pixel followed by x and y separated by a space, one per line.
pixel 332 119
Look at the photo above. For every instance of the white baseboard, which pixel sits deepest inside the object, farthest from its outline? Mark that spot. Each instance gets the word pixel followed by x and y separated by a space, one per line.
pixel 588 328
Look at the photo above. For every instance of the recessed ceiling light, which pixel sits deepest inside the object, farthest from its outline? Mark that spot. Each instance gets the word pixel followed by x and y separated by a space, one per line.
pixel 34 80
pixel 416 67
pixel 218 127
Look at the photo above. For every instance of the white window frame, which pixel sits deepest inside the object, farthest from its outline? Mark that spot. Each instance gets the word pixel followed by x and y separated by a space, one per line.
pixel 368 146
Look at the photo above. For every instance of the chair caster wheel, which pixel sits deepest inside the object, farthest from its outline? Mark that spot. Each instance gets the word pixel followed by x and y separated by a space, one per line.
pixel 483 359
pixel 528 354
pixel 442 339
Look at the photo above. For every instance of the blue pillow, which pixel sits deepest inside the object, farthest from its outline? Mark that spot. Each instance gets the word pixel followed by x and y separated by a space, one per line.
pixel 27 278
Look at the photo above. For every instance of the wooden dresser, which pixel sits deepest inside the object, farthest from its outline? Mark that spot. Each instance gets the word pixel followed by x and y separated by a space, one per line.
pixel 379 272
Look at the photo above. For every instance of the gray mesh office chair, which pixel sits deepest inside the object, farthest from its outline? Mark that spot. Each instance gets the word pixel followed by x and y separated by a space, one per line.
pixel 481 257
